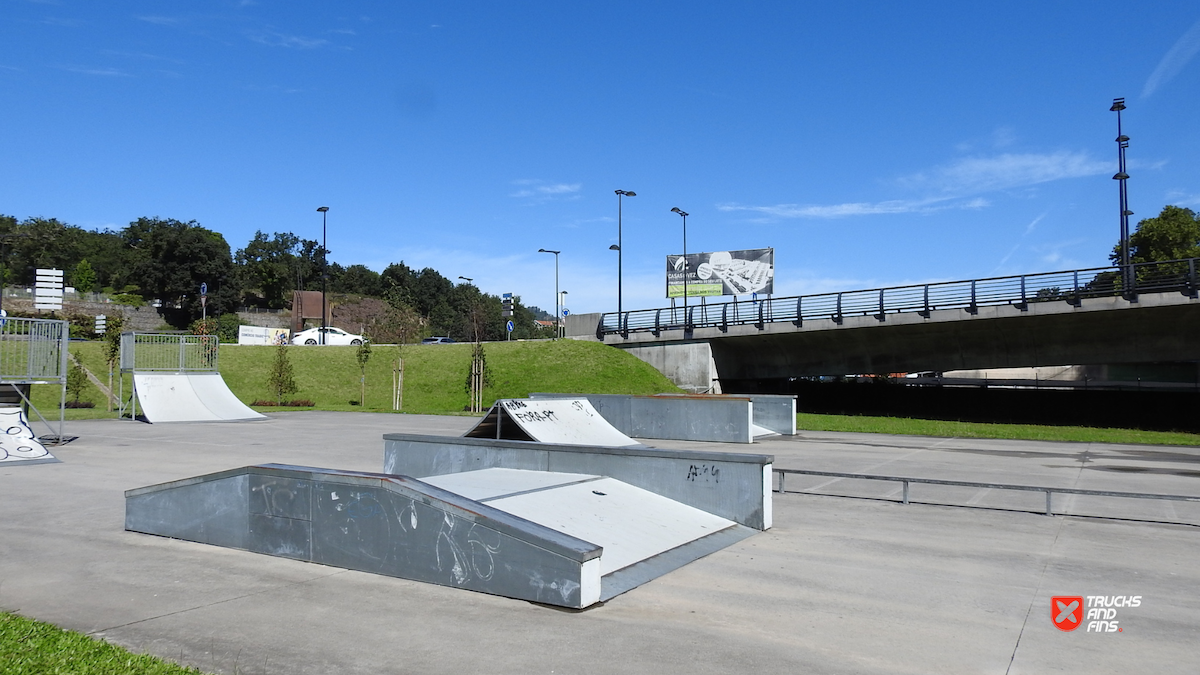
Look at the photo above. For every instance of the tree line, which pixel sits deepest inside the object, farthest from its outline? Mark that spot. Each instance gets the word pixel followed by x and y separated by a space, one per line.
pixel 166 260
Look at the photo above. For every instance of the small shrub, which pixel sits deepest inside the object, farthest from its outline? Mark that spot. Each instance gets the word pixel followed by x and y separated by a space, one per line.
pixel 131 299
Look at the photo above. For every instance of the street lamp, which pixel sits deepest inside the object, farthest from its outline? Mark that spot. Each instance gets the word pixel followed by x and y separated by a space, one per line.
pixel 556 322
pixel 324 272
pixel 685 265
pixel 617 247
pixel 467 279
pixel 1121 176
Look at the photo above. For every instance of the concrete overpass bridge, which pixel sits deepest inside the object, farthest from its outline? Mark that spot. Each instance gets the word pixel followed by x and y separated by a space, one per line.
pixel 1074 317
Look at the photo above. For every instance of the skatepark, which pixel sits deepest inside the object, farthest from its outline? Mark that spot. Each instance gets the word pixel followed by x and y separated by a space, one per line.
pixel 836 584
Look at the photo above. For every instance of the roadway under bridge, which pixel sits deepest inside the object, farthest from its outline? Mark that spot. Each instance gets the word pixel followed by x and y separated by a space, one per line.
pixel 902 331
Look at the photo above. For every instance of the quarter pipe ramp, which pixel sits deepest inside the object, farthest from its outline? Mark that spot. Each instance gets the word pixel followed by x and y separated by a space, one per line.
pixel 189 397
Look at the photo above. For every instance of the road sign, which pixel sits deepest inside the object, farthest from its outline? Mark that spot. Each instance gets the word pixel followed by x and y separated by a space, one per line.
pixel 204 289
pixel 101 324
pixel 509 326
pixel 48 291
pixel 566 312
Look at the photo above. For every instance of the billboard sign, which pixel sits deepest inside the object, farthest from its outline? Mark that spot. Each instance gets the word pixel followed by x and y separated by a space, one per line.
pixel 722 273
pixel 258 335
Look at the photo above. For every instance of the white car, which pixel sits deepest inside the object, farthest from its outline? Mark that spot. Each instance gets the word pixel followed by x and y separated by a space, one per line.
pixel 333 336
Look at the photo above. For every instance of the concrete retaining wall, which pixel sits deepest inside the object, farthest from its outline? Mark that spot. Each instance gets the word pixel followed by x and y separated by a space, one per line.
pixel 776 412
pixel 733 486
pixel 391 525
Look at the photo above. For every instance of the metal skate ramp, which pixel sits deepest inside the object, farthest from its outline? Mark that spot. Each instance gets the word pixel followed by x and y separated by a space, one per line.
pixel 189 397
pixel 18 445
pixel 563 539
pixel 563 421
pixel 693 417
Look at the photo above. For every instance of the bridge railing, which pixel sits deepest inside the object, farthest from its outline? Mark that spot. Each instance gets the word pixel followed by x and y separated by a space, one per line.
pixel 1070 286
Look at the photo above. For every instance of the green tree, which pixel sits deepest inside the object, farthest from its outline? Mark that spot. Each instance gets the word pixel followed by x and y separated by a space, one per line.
pixel 274 267
pixel 1173 234
pixel 76 381
pixel 362 355
pixel 172 258
pixel 281 380
pixel 112 350
pixel 83 277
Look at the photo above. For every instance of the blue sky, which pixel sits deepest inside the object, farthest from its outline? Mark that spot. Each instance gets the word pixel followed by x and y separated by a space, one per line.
pixel 870 144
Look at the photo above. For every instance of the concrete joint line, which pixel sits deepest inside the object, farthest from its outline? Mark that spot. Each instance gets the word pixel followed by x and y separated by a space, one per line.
pixel 213 604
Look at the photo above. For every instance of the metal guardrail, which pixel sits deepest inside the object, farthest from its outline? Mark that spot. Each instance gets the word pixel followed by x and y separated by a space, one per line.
pixel 33 350
pixel 1070 286
pixel 168 352
pixel 1049 491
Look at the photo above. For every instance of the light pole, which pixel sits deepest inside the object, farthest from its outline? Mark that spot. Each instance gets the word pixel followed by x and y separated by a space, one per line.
pixel 324 272
pixel 1122 143
pixel 685 265
pixel 467 279
pixel 617 248
pixel 557 325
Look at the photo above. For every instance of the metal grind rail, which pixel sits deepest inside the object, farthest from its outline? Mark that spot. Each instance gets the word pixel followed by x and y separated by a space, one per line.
pixel 1070 286
pixel 1049 491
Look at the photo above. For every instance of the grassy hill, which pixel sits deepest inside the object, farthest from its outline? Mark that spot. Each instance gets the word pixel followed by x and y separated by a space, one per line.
pixel 435 376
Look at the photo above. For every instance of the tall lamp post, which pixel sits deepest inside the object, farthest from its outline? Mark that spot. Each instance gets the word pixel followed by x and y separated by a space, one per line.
pixel 324 272
pixel 685 269
pixel 1121 176
pixel 617 248
pixel 467 279
pixel 557 325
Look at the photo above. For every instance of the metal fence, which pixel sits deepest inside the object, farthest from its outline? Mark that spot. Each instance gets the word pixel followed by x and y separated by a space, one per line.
pixel 906 481
pixel 168 352
pixel 1070 286
pixel 33 351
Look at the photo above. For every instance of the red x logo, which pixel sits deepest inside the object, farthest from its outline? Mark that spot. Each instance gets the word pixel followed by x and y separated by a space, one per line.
pixel 1066 611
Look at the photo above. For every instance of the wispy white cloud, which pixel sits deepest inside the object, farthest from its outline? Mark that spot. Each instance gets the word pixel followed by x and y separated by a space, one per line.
pixel 276 39
pixel 160 20
pixel 1182 198
pixel 1175 59
pixel 858 208
pixel 975 175
pixel 1016 247
pixel 542 190
pixel 954 186
pixel 140 55
pixel 103 72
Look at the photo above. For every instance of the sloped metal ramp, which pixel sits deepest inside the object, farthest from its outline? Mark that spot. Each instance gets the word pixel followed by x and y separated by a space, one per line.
pixel 563 539
pixel 189 397
pixel 18 445
pixel 566 421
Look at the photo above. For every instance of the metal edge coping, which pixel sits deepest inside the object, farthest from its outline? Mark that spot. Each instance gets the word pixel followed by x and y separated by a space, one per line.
pixel 532 533
pixel 644 451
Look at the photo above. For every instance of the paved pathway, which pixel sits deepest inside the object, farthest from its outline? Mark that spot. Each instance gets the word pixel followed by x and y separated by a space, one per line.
pixel 837 586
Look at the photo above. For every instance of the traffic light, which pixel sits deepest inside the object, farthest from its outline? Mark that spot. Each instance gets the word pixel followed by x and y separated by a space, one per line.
pixel 506 305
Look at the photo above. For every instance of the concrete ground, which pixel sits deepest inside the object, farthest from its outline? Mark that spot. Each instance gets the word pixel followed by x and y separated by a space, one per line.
pixel 837 586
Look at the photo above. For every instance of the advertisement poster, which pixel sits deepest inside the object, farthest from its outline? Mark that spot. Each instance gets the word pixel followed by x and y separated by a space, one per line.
pixel 257 335
pixel 722 273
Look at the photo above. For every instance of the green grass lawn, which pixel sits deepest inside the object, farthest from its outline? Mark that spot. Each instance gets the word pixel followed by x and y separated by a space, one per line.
pixel 949 429
pixel 435 376
pixel 435 383
pixel 29 647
